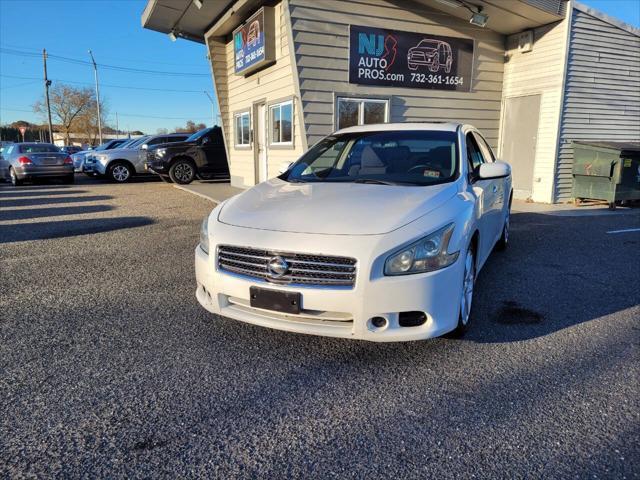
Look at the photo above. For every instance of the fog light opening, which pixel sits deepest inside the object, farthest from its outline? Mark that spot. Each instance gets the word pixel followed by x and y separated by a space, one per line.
pixel 378 323
pixel 411 319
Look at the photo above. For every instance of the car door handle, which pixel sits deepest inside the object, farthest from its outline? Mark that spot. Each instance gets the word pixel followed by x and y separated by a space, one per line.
pixel 494 188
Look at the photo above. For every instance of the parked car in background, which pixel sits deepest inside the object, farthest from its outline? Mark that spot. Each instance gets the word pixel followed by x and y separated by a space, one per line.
pixel 30 161
pixel 377 233
pixel 70 149
pixel 88 166
pixel 201 155
pixel 79 157
pixel 157 141
pixel 120 164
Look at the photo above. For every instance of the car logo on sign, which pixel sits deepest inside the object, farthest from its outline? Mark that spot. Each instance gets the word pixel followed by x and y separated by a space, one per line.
pixel 277 266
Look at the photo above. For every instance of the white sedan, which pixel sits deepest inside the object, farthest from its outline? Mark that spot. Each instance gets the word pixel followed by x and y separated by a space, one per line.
pixel 376 233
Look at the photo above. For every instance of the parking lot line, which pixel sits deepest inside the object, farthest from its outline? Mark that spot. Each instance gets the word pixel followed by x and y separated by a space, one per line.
pixel 627 230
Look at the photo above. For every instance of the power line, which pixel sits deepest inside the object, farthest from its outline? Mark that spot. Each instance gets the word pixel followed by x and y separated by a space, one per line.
pixel 105 84
pixel 119 58
pixel 22 53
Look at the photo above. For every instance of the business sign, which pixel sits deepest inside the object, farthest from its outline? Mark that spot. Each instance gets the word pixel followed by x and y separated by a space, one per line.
pixel 392 58
pixel 254 42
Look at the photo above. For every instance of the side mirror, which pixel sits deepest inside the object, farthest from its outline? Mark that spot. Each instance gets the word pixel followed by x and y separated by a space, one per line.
pixel 487 171
pixel 284 166
pixel 205 140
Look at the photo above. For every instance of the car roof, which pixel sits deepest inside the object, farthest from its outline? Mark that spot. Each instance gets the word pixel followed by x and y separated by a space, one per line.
pixel 394 127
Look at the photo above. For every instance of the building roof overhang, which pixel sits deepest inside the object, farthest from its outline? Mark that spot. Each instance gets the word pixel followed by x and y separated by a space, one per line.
pixel 221 17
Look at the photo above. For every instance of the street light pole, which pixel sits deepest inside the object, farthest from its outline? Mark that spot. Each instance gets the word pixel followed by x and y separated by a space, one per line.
pixel 47 82
pixel 95 71
pixel 117 127
pixel 213 105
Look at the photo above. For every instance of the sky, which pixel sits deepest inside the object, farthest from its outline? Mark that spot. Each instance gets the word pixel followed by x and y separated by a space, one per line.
pixel 112 30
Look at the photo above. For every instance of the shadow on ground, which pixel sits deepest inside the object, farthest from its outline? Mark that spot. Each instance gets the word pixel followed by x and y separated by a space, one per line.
pixel 69 228
pixel 47 212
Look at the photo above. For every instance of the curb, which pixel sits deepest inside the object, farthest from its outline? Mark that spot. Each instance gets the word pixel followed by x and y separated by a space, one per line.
pixel 201 195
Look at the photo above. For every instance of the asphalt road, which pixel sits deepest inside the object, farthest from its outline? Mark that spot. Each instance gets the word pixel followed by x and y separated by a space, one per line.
pixel 110 368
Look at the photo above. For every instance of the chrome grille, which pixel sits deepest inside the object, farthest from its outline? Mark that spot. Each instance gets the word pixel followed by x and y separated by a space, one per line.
pixel 304 269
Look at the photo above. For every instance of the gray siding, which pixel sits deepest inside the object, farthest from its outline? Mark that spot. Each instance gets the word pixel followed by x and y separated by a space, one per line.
pixel 557 7
pixel 602 93
pixel 321 37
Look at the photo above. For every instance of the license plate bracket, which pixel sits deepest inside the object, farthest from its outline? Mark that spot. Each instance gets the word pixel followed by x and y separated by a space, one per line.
pixel 276 300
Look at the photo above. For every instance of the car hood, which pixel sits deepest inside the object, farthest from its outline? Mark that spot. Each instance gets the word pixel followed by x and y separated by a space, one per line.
pixel 332 208
pixel 116 151
pixel 173 145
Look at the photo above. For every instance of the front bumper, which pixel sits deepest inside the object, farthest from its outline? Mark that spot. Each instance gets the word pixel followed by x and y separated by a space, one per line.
pixel 420 60
pixel 339 312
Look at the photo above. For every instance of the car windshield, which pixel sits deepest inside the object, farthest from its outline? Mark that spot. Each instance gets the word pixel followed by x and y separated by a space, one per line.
pixel 39 148
pixel 417 157
pixel 198 135
pixel 428 44
pixel 138 141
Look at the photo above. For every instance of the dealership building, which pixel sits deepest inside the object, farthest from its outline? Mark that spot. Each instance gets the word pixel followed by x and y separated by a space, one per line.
pixel 532 75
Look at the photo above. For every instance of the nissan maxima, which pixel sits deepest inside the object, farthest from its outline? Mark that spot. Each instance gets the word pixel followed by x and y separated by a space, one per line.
pixel 377 233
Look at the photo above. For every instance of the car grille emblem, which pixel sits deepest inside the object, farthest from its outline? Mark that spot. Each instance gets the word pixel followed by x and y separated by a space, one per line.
pixel 277 266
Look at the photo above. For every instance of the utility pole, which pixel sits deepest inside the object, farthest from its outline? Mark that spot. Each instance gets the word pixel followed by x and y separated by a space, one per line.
pixel 95 71
pixel 213 113
pixel 117 128
pixel 47 82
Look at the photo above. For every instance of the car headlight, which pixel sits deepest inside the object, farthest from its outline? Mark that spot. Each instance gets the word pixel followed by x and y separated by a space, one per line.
pixel 204 235
pixel 425 255
pixel 161 152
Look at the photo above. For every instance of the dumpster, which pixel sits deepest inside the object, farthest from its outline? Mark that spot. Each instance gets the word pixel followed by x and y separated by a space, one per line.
pixel 608 171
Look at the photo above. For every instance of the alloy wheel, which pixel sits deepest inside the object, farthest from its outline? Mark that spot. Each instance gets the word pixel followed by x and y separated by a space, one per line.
pixel 466 298
pixel 183 172
pixel 120 173
pixel 506 227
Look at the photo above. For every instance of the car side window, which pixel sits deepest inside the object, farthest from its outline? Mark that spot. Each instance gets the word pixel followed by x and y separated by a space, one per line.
pixel 156 141
pixel 487 153
pixel 473 152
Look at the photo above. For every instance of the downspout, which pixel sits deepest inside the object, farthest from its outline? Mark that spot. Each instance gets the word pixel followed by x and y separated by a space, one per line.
pixel 565 76
pixel 216 91
pixel 294 72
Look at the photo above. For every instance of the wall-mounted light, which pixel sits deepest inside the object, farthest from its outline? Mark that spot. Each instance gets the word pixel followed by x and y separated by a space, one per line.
pixel 172 35
pixel 450 3
pixel 198 4
pixel 479 19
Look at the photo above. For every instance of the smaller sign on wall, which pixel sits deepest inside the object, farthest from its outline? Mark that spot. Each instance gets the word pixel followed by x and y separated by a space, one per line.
pixel 254 42
pixel 393 58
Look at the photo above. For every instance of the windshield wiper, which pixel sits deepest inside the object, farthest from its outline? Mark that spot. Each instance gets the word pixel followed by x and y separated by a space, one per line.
pixel 374 181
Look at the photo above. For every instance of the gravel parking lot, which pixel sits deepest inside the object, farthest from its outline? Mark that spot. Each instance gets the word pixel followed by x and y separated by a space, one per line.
pixel 110 368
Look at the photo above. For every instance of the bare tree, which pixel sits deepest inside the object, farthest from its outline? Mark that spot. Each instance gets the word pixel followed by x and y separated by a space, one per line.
pixel 191 127
pixel 162 131
pixel 67 104
pixel 87 122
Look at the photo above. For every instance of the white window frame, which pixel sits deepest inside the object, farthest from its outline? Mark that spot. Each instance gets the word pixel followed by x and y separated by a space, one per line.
pixel 361 101
pixel 236 116
pixel 279 105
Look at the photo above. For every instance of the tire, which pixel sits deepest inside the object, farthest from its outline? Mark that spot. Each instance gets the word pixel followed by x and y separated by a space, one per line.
pixel 465 314
pixel 69 179
pixel 165 179
pixel 119 172
pixel 435 66
pixel 14 178
pixel 182 172
pixel 447 67
pixel 503 241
